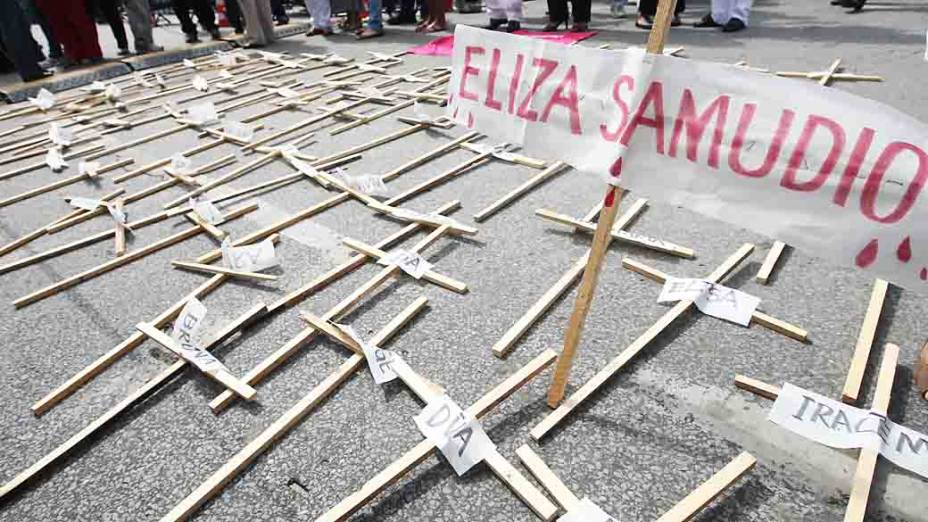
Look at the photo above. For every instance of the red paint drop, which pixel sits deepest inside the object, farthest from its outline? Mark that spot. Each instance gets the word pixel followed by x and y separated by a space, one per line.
pixel 867 256
pixel 923 274
pixel 616 169
pixel 904 250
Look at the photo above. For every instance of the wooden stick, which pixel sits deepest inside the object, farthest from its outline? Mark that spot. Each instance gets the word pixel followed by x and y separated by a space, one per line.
pixel 429 275
pixel 112 264
pixel 295 297
pixel 123 406
pixel 766 269
pixel 754 386
pixel 61 183
pixel 395 471
pixel 40 165
pixel 81 215
pixel 286 422
pixel 207 227
pixel 428 156
pixel 220 375
pixel 855 374
pixel 119 231
pixel 616 364
pixel 504 345
pixel 548 480
pixel 520 486
pixel 826 79
pixel 447 175
pixel 709 490
pixel 553 170
pixel 772 323
pixel 866 461
pixel 518 159
pixel 634 239
pixel 210 269
pixel 270 363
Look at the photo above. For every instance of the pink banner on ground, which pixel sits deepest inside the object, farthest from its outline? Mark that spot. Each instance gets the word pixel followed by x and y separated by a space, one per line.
pixel 443 45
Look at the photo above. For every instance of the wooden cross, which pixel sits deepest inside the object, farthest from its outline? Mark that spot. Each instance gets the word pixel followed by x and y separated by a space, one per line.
pixel 867 459
pixel 855 373
pixel 831 74
pixel 430 275
pixel 639 344
pixel 684 510
pixel 216 482
pixel 542 507
pixel 89 432
pixel 601 238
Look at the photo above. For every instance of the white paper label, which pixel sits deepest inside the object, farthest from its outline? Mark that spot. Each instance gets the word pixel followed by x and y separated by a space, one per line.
pixel 379 361
pixel 189 63
pixel 586 511
pixel 383 57
pixel 181 164
pixel 160 80
pixel 59 135
pixel 370 68
pixel 239 130
pixel 203 113
pixel 226 74
pixel 409 262
pixel 199 83
pixel 455 433
pixel 140 79
pixel 285 92
pixel 369 184
pixel 88 168
pixel 54 159
pixel 711 299
pixel 85 203
pixel 43 100
pixel 225 59
pixel 118 216
pixel 206 210
pixel 112 92
pixel 186 329
pixel 249 258
pixel 839 425
pixel 412 215
pixel 335 60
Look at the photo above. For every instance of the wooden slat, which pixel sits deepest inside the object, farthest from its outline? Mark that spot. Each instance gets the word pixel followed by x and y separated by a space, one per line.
pixel 700 497
pixel 616 364
pixel 553 170
pixel 429 275
pixel 766 269
pixel 211 229
pixel 55 185
pixel 855 374
pixel 119 231
pixel 139 395
pixel 760 318
pixel 521 487
pixel 210 269
pixel 395 471
pixel 867 460
pixel 286 422
pixel 546 477
pixel 112 264
pixel 756 387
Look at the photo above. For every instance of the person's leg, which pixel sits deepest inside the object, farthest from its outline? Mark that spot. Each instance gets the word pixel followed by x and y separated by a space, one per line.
pixel 321 13
pixel 374 20
pixel 139 14
pixel 266 20
pixel 557 13
pixel 742 10
pixel 280 14
pixel 18 42
pixel 647 7
pixel 86 30
pixel 110 12
pixel 721 11
pixel 234 14
pixel 581 14
pixel 513 13
pixel 32 12
pixel 182 12
pixel 206 16
pixel 497 12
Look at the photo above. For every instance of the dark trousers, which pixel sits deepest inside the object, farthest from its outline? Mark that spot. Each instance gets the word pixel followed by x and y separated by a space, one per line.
pixel 110 11
pixel 17 42
pixel 277 9
pixel 34 16
pixel 407 8
pixel 557 11
pixel 649 7
pixel 234 14
pixel 73 28
pixel 202 8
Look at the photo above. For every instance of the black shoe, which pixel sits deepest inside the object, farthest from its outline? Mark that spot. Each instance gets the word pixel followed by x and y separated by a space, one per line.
pixel 239 30
pixel 496 23
pixel 192 38
pixel 644 22
pixel 855 5
pixel 402 20
pixel 215 34
pixel 675 21
pixel 38 76
pixel 124 51
pixel 837 2
pixel 733 25
pixel 283 20
pixel 513 26
pixel 707 21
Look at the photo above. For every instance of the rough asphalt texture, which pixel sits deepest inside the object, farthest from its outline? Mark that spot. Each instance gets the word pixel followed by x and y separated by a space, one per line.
pixel 655 431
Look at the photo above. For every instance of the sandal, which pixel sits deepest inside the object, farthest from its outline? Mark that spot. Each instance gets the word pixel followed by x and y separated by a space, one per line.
pixel 369 33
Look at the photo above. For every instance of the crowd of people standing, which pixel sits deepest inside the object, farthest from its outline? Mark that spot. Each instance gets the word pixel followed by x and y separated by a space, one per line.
pixel 70 29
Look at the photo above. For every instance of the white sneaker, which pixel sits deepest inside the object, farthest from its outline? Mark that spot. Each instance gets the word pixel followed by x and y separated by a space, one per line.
pixel 617 10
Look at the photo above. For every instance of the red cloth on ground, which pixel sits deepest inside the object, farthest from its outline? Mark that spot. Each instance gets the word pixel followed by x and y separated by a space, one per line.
pixel 443 46
pixel 72 27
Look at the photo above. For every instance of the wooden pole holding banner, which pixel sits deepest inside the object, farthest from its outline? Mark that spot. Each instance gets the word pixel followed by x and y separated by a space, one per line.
pixel 601 237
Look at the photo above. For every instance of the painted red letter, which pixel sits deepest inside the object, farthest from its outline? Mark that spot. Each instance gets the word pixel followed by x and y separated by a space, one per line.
pixel 795 161
pixel 469 70
pixel 654 96
pixel 871 192
pixel 568 101
pixel 696 126
pixel 734 156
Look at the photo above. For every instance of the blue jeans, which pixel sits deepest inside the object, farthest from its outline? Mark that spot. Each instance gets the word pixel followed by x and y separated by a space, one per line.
pixel 375 15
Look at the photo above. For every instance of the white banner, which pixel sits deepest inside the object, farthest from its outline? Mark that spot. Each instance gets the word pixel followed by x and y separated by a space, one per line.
pixel 711 299
pixel 818 168
pixel 839 425
pixel 586 511
pixel 455 433
pixel 186 332
pixel 409 262
pixel 249 258
pixel 379 361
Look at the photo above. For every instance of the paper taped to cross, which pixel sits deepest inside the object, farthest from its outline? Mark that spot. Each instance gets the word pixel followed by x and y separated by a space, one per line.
pixel 711 299
pixel 206 210
pixel 186 332
pixel 249 258
pixel 408 261
pixel 379 361
pixel 839 425
pixel 824 170
pixel 586 511
pixel 457 434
